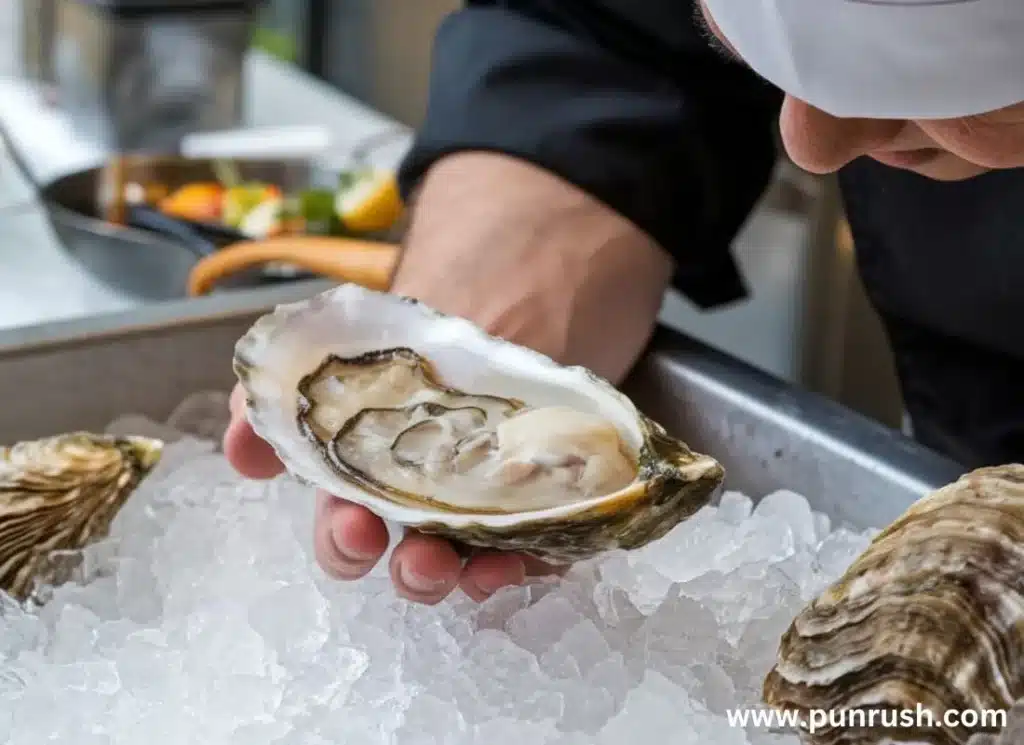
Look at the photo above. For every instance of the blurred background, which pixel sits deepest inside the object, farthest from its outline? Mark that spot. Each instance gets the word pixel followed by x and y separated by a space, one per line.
pixel 77 82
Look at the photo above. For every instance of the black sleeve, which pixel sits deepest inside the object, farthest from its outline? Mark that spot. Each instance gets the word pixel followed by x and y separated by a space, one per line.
pixel 626 99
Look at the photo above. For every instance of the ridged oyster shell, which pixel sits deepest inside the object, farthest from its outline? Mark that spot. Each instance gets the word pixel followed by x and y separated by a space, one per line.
pixel 1012 733
pixel 60 494
pixel 931 615
pixel 432 423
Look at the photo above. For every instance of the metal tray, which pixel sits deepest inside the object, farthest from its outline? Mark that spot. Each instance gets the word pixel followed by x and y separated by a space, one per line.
pixel 768 434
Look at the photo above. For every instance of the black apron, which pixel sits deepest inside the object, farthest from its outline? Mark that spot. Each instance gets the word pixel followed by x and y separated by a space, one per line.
pixel 943 263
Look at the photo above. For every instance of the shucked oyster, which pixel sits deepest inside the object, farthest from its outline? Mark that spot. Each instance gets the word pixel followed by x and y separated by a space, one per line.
pixel 931 615
pixel 61 493
pixel 429 422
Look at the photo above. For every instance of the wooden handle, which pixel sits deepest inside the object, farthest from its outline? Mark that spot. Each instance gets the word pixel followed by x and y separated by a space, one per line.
pixel 367 263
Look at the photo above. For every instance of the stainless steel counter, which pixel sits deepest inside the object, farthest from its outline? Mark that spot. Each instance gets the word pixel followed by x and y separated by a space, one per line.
pixel 38 282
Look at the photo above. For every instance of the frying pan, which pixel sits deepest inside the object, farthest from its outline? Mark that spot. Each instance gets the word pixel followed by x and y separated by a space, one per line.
pixel 156 263
pixel 143 263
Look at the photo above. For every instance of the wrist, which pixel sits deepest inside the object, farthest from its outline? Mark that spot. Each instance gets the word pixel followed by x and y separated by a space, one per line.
pixel 532 258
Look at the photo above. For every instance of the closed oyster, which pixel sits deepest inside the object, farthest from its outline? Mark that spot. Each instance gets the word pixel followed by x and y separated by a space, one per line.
pixel 430 422
pixel 60 494
pixel 931 615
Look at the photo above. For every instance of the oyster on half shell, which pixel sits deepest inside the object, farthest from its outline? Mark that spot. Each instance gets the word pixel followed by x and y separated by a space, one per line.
pixel 931 615
pixel 60 494
pixel 430 422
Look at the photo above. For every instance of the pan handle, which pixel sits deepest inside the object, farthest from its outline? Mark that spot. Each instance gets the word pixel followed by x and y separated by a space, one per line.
pixel 367 263
pixel 147 218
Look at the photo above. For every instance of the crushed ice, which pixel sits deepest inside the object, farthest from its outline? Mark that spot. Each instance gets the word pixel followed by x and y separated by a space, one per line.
pixel 204 620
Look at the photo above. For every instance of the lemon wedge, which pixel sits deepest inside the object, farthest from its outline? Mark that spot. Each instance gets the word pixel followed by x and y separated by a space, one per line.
pixel 369 201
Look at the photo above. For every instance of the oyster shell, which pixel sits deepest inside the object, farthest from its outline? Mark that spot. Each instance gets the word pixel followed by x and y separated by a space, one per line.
pixel 930 615
pixel 1011 734
pixel 60 494
pixel 430 422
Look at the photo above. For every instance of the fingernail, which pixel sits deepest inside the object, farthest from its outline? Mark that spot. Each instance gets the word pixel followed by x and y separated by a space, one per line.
pixel 351 554
pixel 490 584
pixel 355 557
pixel 419 583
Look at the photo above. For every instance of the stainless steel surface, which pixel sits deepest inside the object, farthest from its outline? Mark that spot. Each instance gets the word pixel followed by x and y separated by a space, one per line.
pixel 847 355
pixel 142 81
pixel 379 51
pixel 769 435
pixel 38 26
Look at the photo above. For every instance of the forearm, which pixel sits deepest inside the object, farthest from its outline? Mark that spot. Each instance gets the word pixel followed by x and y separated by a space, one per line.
pixel 655 126
pixel 534 259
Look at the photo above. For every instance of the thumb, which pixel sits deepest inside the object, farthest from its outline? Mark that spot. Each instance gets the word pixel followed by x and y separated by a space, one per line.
pixel 247 452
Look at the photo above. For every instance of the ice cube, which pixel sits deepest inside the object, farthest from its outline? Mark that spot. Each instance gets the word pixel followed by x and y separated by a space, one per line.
pixel 497 610
pixel 18 629
pixel 822 525
pixel 580 649
pixel 204 415
pixel 140 426
pixel 511 731
pixel 657 706
pixel 495 665
pixel 680 634
pixel 592 699
pixel 734 507
pixel 311 688
pixel 204 618
pixel 750 592
pixel 792 509
pixel 717 690
pixel 542 624
pixel 758 645
pixel 293 620
pixel 75 634
pixel 431 720
pixel 837 551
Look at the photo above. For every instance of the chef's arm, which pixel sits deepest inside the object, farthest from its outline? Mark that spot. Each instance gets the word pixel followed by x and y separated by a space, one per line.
pixel 582 131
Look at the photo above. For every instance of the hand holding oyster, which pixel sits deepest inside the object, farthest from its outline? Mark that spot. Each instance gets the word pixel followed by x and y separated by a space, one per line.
pixel 431 423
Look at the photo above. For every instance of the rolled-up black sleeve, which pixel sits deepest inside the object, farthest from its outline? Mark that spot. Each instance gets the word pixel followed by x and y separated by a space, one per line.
pixel 630 103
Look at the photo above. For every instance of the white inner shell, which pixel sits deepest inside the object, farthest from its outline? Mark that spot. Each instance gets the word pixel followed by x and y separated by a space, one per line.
pixel 467 451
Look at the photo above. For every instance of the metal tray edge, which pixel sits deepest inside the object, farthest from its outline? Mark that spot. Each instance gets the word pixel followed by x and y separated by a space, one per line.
pixel 154 317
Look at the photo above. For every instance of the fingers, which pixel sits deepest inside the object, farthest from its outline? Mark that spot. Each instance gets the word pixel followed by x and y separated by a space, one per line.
pixel 248 453
pixel 348 539
pixel 425 568
pixel 486 573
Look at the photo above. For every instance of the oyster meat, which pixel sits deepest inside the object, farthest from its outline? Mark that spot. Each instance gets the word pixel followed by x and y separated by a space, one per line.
pixel 60 494
pixel 432 423
pixel 931 615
